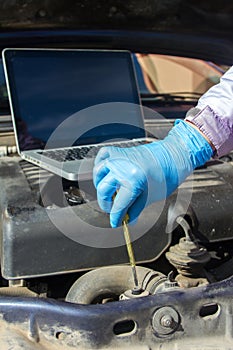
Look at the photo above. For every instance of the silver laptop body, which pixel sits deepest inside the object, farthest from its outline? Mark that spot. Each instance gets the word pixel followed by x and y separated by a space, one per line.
pixel 66 104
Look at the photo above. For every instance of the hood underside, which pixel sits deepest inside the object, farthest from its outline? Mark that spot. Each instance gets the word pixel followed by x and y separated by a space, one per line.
pixel 212 17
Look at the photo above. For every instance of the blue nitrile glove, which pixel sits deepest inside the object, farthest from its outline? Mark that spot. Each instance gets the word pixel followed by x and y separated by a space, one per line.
pixel 147 173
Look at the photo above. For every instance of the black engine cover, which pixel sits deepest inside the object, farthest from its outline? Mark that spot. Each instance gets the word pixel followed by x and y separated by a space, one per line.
pixel 31 245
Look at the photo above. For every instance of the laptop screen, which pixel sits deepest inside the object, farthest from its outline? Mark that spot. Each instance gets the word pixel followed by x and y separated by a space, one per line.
pixel 49 86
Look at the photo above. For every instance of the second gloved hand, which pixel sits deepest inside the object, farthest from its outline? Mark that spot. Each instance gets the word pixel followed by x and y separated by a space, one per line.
pixel 147 173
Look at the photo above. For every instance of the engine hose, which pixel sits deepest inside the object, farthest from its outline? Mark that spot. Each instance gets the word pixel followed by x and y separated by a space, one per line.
pixel 109 281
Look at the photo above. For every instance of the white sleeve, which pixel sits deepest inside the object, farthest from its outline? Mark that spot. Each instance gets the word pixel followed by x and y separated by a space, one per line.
pixel 220 97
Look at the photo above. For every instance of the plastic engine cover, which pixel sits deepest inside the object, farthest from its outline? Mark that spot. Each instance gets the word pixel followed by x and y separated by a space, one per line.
pixel 33 246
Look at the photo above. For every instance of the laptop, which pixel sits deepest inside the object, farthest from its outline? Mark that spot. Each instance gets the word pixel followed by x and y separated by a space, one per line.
pixel 66 104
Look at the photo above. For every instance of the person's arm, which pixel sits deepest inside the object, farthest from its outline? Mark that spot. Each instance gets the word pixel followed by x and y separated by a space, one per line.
pixel 213 115
pixel 149 173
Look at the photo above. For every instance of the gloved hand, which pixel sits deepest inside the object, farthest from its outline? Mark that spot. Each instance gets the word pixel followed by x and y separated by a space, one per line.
pixel 147 173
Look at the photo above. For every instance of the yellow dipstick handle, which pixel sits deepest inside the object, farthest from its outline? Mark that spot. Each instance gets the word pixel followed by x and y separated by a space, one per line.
pixel 137 289
pixel 130 250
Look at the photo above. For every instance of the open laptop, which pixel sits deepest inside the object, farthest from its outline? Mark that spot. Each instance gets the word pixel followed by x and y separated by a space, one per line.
pixel 66 103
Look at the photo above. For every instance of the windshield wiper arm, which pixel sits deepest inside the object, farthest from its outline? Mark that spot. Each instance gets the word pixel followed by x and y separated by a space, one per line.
pixel 171 97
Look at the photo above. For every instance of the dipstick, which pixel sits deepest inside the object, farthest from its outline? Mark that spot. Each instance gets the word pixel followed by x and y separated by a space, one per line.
pixel 130 251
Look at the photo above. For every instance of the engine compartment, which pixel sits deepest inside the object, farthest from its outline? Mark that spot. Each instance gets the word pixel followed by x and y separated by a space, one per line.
pixel 61 300
pixel 184 249
pixel 59 292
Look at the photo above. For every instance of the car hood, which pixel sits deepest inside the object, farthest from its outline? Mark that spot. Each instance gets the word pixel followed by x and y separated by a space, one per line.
pixel 194 16
pixel 194 28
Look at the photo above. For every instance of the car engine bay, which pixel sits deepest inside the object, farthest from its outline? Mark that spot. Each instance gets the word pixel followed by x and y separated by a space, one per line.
pixel 188 250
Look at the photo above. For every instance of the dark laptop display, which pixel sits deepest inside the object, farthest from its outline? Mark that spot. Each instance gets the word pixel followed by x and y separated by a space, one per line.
pixel 47 86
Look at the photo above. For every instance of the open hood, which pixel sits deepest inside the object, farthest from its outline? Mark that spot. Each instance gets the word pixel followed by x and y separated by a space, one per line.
pixel 194 16
pixel 194 28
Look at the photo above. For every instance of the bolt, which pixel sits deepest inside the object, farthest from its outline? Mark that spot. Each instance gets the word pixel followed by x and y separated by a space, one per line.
pixel 137 290
pixel 167 321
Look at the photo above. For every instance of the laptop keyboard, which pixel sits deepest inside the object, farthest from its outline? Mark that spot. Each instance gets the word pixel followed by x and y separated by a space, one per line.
pixel 78 153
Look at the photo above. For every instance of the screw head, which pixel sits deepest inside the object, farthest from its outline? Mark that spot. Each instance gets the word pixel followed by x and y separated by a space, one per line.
pixel 165 321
